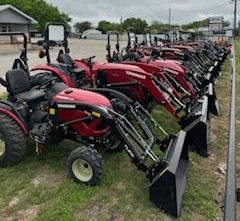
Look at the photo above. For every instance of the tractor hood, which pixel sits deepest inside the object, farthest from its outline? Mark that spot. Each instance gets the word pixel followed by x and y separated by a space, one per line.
pixel 78 95
pixel 112 66
pixel 185 47
pixel 170 49
pixel 168 64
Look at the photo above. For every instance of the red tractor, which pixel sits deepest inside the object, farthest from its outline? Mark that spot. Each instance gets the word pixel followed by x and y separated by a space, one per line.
pixel 47 111
pixel 204 53
pixel 188 85
pixel 134 82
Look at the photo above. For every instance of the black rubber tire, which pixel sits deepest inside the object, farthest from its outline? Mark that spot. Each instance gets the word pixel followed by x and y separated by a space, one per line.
pixel 15 141
pixel 94 160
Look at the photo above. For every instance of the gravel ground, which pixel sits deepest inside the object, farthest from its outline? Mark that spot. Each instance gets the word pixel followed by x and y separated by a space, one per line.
pixel 78 48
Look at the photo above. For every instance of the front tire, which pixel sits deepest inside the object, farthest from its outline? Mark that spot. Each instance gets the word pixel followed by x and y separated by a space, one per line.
pixel 85 166
pixel 13 141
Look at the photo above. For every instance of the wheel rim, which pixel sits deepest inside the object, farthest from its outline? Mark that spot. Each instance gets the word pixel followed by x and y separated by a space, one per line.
pixel 2 145
pixel 82 170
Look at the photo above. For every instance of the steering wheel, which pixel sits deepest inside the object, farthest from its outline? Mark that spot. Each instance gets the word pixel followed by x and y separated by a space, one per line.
pixel 88 60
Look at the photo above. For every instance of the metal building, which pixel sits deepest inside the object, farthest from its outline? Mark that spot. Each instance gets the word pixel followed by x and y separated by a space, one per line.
pixel 12 19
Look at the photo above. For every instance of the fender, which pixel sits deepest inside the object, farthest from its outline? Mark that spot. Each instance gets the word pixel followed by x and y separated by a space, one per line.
pixel 55 71
pixel 8 110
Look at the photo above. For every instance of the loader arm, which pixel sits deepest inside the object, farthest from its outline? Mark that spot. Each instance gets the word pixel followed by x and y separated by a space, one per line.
pixel 159 92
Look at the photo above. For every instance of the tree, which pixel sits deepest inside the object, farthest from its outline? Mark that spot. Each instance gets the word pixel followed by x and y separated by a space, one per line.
pixel 158 26
pixel 137 23
pixel 226 23
pixel 106 26
pixel 202 23
pixel 196 24
pixel 40 10
pixel 82 26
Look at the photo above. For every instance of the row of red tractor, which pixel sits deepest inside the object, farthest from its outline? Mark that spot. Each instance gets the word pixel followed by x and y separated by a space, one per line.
pixel 107 106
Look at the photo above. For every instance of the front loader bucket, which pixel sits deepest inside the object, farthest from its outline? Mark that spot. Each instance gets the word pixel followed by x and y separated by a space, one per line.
pixel 214 70
pixel 142 143
pixel 196 127
pixel 167 189
pixel 208 78
pixel 213 106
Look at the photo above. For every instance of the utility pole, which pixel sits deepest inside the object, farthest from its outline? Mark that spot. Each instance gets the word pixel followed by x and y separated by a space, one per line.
pixel 169 16
pixel 121 28
pixel 235 17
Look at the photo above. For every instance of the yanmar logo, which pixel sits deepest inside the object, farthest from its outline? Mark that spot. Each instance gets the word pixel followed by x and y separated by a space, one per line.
pixel 134 74
pixel 66 106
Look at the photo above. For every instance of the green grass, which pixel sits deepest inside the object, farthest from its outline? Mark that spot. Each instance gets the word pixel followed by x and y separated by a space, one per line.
pixel 123 192
pixel 237 49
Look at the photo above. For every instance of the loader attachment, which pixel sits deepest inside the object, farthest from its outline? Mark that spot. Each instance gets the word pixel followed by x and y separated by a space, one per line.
pixel 217 68
pixel 213 106
pixel 164 160
pixel 195 124
pixel 208 90
pixel 167 189
pixel 195 120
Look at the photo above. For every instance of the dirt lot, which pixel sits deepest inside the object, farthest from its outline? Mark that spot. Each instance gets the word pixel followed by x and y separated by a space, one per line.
pixel 78 48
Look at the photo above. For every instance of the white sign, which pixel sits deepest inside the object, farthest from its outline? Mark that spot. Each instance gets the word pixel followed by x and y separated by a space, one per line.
pixel 216 23
pixel 229 33
pixel 215 27
pixel 56 32
pixel 216 20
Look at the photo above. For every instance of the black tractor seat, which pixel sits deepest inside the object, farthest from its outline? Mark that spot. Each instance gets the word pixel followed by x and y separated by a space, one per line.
pixel 19 87
pixel 65 58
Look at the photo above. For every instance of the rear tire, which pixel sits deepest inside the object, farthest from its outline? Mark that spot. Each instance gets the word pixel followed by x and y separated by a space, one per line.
pixel 85 166
pixel 13 141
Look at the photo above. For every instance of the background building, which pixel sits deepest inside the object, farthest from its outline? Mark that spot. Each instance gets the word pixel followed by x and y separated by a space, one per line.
pixel 14 20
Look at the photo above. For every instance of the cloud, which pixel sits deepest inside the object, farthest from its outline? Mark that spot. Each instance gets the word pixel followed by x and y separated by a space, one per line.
pixel 112 10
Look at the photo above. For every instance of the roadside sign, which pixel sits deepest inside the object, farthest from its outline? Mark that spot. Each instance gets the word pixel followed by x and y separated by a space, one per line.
pixel 216 23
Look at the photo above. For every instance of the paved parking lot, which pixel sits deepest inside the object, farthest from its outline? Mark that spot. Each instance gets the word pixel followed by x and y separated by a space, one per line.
pixel 78 48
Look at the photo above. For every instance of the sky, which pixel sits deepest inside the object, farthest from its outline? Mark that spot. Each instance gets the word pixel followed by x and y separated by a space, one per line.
pixel 182 12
